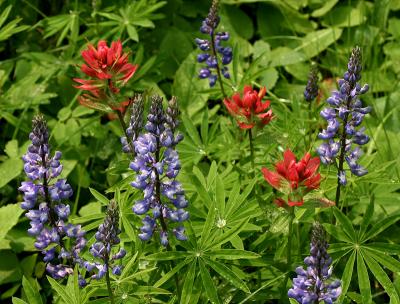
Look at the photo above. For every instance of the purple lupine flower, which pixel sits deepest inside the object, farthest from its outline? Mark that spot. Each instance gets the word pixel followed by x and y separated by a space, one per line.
pixel 106 238
pixel 157 166
pixel 344 114
pixel 311 90
pixel 135 124
pixel 214 52
pixel 314 284
pixel 42 197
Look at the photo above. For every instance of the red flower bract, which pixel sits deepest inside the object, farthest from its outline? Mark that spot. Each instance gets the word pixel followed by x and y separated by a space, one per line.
pixel 294 178
pixel 109 69
pixel 249 110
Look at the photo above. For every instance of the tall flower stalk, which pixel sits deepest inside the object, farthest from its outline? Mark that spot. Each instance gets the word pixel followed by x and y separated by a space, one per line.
pixel 43 196
pixel 310 93
pixel 344 115
pixel 214 53
pixel 314 284
pixel 106 238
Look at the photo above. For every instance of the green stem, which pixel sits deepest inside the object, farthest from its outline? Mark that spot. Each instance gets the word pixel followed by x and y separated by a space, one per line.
pixel 218 69
pixel 110 293
pixel 289 250
pixel 310 131
pixel 252 152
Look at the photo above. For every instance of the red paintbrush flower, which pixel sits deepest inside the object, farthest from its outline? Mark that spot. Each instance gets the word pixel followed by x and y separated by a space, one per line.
pixel 249 110
pixel 109 69
pixel 294 178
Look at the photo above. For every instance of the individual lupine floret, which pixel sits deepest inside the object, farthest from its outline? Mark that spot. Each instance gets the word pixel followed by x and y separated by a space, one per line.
pixel 106 238
pixel 311 90
pixel 212 48
pixel 135 124
pixel 314 284
pixel 157 166
pixel 344 114
pixel 42 197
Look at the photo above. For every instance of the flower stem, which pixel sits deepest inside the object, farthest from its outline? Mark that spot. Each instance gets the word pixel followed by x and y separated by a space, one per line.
pixel 218 69
pixel 123 126
pixel 289 249
pixel 110 293
pixel 252 152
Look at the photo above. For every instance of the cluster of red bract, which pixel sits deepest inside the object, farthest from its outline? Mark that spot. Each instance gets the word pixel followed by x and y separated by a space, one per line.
pixel 109 70
pixel 294 178
pixel 249 110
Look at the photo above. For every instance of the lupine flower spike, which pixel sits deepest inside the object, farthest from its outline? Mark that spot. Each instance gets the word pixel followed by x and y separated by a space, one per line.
pixel 294 179
pixel 314 284
pixel 157 166
pixel 109 70
pixel 135 124
pixel 311 90
pixel 344 115
pixel 106 238
pixel 214 52
pixel 43 196
pixel 249 110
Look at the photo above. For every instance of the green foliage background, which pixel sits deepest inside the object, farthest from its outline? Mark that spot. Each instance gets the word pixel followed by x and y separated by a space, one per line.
pixel 237 247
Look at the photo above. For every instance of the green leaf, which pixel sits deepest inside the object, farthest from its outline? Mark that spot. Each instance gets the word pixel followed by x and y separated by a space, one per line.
pixel 337 233
pixel 347 275
pixel 168 255
pixel 226 237
pixel 67 298
pixel 100 197
pixel 232 254
pixel 172 272
pixel 188 285
pixel 227 274
pixel 132 32
pixel 18 301
pixel 363 279
pixel 381 226
pixel 382 278
pixel 207 227
pixel 204 126
pixel 208 284
pixel 366 219
pixel 347 226
pixel 9 170
pixel 386 260
pixel 328 5
pixel 191 130
pixel 32 293
pixel 9 216
pixel 220 195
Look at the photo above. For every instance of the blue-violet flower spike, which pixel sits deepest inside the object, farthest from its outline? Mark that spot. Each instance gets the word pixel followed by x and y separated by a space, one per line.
pixel 314 284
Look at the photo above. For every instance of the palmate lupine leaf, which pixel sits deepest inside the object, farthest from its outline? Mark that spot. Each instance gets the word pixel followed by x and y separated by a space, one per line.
pixel 10 28
pixel 356 249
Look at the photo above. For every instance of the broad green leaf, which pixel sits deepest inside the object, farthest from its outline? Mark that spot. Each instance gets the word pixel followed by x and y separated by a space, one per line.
pixel 204 126
pixel 212 174
pixel 9 170
pixel 100 197
pixel 167 255
pixel 232 254
pixel 191 130
pixel 9 215
pixel 239 200
pixel 346 224
pixel 337 233
pixel 347 275
pixel 366 219
pixel 363 279
pixel 172 272
pixel 226 237
pixel 188 284
pixel 386 248
pixel 18 301
pixel 207 227
pixel 381 226
pixel 382 278
pixel 32 293
pixel 208 283
pixel 227 274
pixel 384 259
pixel 67 298
pixel 328 5
pixel 220 195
